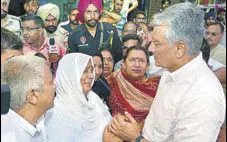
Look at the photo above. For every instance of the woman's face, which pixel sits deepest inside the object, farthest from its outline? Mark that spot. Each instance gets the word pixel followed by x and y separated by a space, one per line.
pixel 136 64
pixel 108 63
pixel 87 78
pixel 98 66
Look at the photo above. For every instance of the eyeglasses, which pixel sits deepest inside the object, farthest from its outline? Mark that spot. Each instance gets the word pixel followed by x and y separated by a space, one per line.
pixel 130 31
pixel 29 29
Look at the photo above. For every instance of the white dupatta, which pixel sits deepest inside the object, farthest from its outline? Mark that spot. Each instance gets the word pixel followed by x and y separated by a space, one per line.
pixel 73 117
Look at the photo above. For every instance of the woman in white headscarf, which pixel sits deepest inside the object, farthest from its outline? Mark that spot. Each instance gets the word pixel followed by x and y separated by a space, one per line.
pixel 78 115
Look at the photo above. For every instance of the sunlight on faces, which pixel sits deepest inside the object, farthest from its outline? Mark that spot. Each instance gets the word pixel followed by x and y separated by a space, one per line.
pixel 136 64
pixel 87 78
pixel 108 63
pixel 91 16
pixel 162 49
pixel 98 66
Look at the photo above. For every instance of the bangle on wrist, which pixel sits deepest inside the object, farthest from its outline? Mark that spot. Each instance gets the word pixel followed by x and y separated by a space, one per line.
pixel 139 138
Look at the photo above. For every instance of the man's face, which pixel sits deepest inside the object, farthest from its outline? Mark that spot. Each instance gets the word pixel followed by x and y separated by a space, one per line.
pixel 130 28
pixel 87 78
pixel 47 95
pixel 4 8
pixel 31 7
pixel 91 16
pixel 162 49
pixel 118 6
pixel 210 20
pixel 98 66
pixel 213 35
pixel 140 19
pixel 31 32
pixel 6 54
pixel 51 23
pixel 72 16
pixel 128 44
pixel 221 16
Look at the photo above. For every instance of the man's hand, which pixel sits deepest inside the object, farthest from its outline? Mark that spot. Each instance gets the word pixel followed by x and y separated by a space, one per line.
pixel 53 58
pixel 125 126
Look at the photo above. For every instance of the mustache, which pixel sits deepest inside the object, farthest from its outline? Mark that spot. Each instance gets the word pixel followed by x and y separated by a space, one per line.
pixel 93 20
pixel 4 11
pixel 31 11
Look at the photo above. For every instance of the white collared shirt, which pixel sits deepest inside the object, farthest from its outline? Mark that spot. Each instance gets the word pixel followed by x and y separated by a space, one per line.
pixel 189 106
pixel 14 128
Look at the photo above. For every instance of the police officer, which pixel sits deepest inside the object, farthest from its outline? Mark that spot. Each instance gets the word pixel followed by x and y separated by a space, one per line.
pixel 9 22
pixel 50 14
pixel 91 36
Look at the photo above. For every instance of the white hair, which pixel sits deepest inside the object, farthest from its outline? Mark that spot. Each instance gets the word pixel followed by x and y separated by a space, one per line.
pixel 23 73
pixel 185 23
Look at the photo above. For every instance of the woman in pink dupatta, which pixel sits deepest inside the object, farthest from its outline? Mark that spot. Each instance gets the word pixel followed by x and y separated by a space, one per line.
pixel 131 90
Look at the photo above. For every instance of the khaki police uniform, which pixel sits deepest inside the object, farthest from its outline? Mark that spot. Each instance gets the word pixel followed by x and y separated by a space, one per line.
pixel 60 35
pixel 13 24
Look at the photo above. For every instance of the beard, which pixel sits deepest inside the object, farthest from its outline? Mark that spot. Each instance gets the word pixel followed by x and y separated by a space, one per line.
pixel 74 22
pixel 3 14
pixel 51 29
pixel 31 13
pixel 91 23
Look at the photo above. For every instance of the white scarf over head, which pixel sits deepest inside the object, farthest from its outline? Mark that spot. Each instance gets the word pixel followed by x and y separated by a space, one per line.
pixel 73 117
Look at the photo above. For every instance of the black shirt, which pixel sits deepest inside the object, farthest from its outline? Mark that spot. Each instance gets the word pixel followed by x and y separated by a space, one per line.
pixel 80 40
pixel 101 88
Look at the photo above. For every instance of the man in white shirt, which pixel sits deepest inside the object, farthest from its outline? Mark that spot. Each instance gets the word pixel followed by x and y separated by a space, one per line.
pixel 32 93
pixel 189 105
pixel 214 34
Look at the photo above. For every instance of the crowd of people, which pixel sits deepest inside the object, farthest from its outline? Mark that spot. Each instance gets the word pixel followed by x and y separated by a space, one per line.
pixel 104 77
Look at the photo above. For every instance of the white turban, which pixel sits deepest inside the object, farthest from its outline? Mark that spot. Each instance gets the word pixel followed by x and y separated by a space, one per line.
pixel 48 9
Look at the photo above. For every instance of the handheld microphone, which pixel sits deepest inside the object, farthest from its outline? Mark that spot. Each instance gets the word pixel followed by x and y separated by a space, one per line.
pixel 52 50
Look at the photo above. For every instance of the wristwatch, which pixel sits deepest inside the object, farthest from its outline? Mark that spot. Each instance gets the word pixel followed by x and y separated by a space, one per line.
pixel 139 138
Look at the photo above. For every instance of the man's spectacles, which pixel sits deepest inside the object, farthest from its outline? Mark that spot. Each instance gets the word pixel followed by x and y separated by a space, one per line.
pixel 130 31
pixel 29 29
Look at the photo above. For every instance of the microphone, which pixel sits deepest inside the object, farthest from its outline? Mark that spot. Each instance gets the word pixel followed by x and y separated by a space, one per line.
pixel 52 52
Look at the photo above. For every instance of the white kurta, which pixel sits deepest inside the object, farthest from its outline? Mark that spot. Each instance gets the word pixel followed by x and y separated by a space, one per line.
pixel 189 106
pixel 14 128
pixel 73 117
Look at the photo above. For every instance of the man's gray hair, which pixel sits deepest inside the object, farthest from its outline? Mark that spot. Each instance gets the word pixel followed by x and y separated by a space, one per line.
pixel 185 23
pixel 23 73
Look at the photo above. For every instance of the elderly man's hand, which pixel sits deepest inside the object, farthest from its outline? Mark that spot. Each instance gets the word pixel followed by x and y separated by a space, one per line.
pixel 125 127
